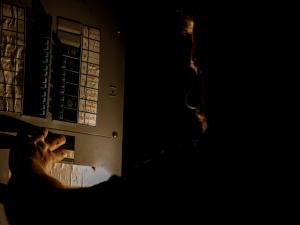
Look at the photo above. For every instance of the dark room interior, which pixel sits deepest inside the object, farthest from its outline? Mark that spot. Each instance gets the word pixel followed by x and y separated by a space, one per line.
pixel 150 61
pixel 151 31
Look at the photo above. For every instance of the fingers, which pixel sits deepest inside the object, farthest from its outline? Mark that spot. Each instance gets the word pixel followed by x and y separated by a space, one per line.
pixel 55 142
pixel 59 155
pixel 40 140
pixel 41 137
pixel 41 146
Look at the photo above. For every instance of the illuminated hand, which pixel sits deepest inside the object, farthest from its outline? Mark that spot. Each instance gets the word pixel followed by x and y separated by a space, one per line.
pixel 36 155
pixel 47 153
pixel 30 191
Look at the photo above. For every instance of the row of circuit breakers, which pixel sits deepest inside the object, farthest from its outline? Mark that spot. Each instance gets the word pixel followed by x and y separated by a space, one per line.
pixel 45 73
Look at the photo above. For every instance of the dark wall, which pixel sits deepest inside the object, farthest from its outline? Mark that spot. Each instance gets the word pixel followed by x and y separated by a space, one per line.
pixel 151 78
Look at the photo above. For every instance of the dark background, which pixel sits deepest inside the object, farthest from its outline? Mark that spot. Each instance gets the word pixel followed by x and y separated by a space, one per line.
pixel 150 32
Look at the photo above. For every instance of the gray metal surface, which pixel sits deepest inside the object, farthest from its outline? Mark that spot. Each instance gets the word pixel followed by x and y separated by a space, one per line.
pixel 94 146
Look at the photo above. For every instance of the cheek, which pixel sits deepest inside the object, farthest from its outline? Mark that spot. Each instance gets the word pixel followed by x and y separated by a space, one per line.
pixel 201 117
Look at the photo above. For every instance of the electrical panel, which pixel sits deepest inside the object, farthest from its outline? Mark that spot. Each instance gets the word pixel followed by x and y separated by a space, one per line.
pixel 57 70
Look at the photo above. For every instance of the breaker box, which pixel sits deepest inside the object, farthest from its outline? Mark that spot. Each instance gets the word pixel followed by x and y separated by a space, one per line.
pixel 62 67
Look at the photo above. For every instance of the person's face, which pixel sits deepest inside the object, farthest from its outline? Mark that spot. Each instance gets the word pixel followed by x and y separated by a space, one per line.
pixel 194 99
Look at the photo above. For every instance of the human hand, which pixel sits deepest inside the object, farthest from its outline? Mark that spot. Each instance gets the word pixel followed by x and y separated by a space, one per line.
pixel 31 158
pixel 36 154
